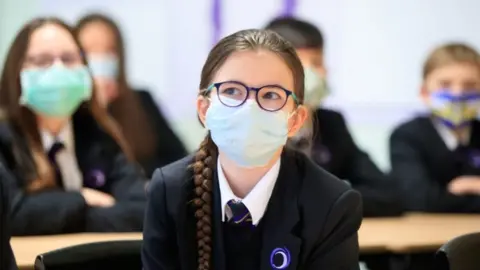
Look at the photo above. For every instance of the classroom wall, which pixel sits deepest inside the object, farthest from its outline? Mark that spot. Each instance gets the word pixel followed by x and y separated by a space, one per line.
pixel 374 51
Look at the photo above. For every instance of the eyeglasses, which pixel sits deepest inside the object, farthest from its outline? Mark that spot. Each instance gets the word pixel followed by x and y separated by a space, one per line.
pixel 269 97
pixel 47 60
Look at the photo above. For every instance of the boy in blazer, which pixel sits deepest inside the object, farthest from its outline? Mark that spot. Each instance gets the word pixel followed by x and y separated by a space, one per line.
pixel 436 156
pixel 327 140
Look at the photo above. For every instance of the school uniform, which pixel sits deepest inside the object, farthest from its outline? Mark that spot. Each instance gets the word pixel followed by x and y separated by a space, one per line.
pixel 7 260
pixel 169 147
pixel 425 157
pixel 82 156
pixel 335 150
pixel 311 216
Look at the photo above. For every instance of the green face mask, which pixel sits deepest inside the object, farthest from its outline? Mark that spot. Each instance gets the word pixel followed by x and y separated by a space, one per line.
pixel 56 91
pixel 315 88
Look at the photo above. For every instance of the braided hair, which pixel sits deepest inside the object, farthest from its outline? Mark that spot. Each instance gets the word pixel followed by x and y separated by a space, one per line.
pixel 203 169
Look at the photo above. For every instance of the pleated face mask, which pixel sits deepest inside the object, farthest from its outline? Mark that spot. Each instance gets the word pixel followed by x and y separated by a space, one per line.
pixel 455 110
pixel 55 91
pixel 248 135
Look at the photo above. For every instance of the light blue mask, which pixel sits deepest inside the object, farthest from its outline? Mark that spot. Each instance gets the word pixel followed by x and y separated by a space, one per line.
pixel 248 135
pixel 55 91
pixel 316 89
pixel 103 65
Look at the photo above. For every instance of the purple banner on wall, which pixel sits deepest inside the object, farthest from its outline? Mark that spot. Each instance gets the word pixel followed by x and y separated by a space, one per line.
pixel 216 20
pixel 289 8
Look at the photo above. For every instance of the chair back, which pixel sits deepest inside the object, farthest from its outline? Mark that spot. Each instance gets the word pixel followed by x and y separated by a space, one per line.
pixel 123 254
pixel 460 253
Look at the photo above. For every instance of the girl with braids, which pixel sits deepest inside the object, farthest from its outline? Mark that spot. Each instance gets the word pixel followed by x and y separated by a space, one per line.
pixel 243 201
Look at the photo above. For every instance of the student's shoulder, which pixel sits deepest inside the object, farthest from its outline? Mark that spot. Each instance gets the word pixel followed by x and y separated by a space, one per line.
pixel 325 114
pixel 172 177
pixel 319 181
pixel 417 126
pixel 327 201
pixel 143 94
pixel 146 98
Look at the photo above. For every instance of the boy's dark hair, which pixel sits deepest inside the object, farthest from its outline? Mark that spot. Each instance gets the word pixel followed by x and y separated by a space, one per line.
pixel 299 33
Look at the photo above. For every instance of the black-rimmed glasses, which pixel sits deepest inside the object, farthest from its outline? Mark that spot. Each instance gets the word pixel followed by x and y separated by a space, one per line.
pixel 269 97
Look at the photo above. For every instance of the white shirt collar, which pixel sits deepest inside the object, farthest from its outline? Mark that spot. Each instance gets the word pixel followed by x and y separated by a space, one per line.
pixel 451 141
pixel 257 200
pixel 65 136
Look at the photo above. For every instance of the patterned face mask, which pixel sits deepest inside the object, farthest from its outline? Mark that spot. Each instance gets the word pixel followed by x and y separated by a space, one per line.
pixel 455 111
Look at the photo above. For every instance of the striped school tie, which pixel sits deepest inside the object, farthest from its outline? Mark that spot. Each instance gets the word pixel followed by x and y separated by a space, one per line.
pixel 52 156
pixel 240 213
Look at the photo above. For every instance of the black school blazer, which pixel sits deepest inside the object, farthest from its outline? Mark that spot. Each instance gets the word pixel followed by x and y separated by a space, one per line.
pixel 335 150
pixel 7 260
pixel 104 168
pixel 312 213
pixel 423 166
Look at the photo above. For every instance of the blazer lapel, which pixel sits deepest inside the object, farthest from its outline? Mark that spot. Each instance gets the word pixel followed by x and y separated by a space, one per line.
pixel 92 159
pixel 187 229
pixel 218 250
pixel 280 247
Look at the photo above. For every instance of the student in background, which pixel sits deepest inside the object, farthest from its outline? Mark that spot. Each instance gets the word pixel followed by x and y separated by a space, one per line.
pixel 68 167
pixel 147 131
pixel 332 146
pixel 7 260
pixel 436 157
pixel 243 201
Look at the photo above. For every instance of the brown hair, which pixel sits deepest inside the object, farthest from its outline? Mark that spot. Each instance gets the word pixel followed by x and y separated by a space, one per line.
pixel 24 120
pixel 449 54
pixel 126 109
pixel 205 158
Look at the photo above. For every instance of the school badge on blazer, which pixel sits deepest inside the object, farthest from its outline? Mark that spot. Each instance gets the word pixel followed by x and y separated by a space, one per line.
pixel 474 158
pixel 280 258
pixel 95 178
pixel 282 251
pixel 321 155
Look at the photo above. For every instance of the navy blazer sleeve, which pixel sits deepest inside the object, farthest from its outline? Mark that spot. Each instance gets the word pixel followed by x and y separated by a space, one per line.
pixel 47 212
pixel 379 195
pixel 127 187
pixel 159 246
pixel 422 192
pixel 337 248
pixel 7 260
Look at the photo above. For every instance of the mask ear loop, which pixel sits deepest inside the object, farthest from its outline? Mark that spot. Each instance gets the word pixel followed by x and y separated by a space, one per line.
pixel 291 114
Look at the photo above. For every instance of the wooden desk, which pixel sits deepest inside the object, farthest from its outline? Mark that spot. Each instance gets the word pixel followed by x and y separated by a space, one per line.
pixel 26 249
pixel 409 234
pixel 414 232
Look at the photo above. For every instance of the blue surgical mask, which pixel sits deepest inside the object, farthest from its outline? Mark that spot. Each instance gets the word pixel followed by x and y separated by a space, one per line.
pixel 315 88
pixel 248 135
pixel 55 91
pixel 455 110
pixel 103 65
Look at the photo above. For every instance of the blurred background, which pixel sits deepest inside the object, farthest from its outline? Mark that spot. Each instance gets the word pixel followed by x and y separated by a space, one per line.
pixel 374 49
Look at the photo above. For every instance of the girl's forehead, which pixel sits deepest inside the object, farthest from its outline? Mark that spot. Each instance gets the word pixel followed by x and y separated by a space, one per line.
pixel 51 39
pixel 255 68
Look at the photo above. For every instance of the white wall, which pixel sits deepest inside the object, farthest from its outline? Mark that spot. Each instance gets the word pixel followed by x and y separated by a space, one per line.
pixel 375 49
